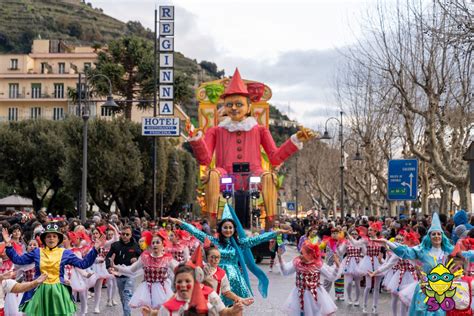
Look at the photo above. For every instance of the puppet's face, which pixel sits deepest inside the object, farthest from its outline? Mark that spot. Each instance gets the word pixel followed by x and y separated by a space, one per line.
pixel 213 92
pixel 236 107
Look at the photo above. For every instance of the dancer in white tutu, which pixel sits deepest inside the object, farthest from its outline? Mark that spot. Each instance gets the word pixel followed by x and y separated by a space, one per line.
pixel 309 297
pixel 99 268
pixel 404 272
pixel 27 273
pixel 158 269
pixel 112 236
pixel 371 261
pixel 349 266
pixel 79 280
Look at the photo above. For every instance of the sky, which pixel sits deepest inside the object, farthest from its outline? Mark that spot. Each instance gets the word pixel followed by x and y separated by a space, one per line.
pixel 292 46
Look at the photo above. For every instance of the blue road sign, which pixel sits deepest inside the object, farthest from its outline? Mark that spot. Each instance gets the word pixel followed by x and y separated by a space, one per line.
pixel 291 206
pixel 402 179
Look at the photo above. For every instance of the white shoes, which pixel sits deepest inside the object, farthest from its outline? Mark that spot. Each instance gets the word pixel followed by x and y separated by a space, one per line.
pixel 374 310
pixel 114 302
pixel 364 310
pixel 356 303
pixel 96 310
pixel 109 304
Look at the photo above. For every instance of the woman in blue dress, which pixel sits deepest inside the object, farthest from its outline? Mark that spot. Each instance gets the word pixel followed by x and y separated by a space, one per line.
pixel 433 250
pixel 234 247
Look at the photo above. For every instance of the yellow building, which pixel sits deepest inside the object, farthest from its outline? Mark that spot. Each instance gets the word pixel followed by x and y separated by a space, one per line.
pixel 35 85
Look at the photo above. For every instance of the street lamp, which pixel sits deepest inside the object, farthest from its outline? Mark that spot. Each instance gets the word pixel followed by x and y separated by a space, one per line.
pixel 85 112
pixel 357 156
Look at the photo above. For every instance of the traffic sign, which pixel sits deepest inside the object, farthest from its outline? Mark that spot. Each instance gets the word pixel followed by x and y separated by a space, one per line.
pixel 291 206
pixel 160 126
pixel 402 179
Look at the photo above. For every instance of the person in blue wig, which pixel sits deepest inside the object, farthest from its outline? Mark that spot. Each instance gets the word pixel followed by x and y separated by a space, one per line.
pixel 460 218
pixel 434 249
pixel 235 250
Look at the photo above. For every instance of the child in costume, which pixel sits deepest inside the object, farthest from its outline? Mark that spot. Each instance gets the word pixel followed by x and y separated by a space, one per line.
pixel 99 268
pixel 112 236
pixel 178 249
pixel 330 245
pixel 158 269
pixel 404 273
pixel 79 280
pixel 236 256
pixel 52 297
pixel 371 261
pixel 12 300
pixel 349 265
pixel 217 278
pixel 192 297
pixel 309 298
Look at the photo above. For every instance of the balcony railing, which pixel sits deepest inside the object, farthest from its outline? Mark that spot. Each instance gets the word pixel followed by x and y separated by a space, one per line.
pixel 29 97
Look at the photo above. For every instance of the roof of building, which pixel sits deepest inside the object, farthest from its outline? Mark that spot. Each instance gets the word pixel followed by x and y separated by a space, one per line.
pixel 16 200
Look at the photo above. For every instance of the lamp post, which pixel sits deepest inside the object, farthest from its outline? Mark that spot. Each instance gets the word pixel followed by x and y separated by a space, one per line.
pixel 357 156
pixel 85 112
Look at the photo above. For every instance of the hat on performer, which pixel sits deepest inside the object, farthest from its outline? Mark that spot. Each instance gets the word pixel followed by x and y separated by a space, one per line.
pixel 435 224
pixel 52 227
pixel 226 214
pixel 236 86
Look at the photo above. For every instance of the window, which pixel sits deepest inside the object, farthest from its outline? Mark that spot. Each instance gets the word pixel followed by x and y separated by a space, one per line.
pixel 13 114
pixel 13 90
pixel 13 64
pixel 105 111
pixel 59 90
pixel 35 113
pixel 87 66
pixel 44 68
pixel 36 90
pixel 61 68
pixel 58 114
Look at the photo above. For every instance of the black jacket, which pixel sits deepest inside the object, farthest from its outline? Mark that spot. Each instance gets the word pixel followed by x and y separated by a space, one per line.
pixel 123 252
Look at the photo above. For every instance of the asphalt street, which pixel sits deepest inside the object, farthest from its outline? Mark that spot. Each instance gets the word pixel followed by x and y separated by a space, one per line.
pixel 280 288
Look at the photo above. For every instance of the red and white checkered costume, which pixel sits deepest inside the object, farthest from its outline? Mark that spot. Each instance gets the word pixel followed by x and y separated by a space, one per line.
pixel 308 295
pixel 156 286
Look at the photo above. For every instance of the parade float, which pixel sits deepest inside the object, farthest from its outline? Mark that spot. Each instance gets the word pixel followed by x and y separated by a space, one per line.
pixel 236 152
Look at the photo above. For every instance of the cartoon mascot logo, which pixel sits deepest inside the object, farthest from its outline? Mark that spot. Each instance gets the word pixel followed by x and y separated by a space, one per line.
pixel 440 287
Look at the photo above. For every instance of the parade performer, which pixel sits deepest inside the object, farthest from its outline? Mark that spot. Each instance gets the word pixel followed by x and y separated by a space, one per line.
pixel 350 263
pixel 13 300
pixel 99 266
pixel 330 245
pixel 157 268
pixel 371 261
pixel 237 139
pixel 9 285
pixel 433 251
pixel 195 298
pixel 404 273
pixel 308 297
pixel 79 280
pixel 216 276
pixel 235 250
pixel 52 297
pixel 275 244
pixel 177 248
pixel 112 235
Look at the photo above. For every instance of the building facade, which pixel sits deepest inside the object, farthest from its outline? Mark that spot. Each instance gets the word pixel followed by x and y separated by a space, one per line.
pixel 35 85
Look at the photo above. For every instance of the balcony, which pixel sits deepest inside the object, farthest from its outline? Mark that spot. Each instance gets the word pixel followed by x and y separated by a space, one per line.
pixel 25 114
pixel 22 97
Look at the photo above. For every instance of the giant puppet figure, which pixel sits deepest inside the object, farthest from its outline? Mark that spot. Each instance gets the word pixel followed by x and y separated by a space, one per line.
pixel 238 139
